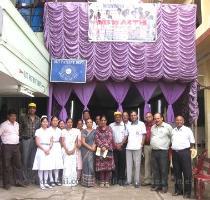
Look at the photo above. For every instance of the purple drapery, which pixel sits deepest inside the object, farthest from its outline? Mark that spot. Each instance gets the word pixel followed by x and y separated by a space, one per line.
pixel 118 91
pixel 62 92
pixel 171 92
pixel 171 57
pixel 49 108
pixel 193 103
pixel 146 90
pixel 84 92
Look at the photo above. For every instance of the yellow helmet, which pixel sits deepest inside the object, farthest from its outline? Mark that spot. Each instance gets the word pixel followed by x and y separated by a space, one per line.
pixel 32 105
pixel 117 113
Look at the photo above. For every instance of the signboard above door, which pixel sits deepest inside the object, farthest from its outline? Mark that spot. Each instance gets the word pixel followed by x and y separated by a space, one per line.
pixel 68 70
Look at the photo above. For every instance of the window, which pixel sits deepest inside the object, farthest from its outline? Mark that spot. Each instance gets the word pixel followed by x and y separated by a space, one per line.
pixel 199 14
pixel 32 12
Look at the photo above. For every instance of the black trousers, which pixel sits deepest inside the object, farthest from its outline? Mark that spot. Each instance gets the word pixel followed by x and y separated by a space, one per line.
pixel 160 168
pixel 182 167
pixel 120 164
pixel 11 158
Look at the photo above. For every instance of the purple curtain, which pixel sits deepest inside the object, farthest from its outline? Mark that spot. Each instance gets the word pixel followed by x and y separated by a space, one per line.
pixel 118 91
pixel 84 92
pixel 171 91
pixel 172 56
pixel 62 92
pixel 146 90
pixel 193 103
pixel 49 108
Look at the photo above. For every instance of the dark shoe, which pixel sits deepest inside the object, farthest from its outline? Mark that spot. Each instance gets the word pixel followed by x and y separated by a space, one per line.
pixel 145 184
pixel 26 183
pixel 20 185
pixel 127 183
pixel 58 183
pixel 120 182
pixel 152 186
pixel 6 187
pixel 52 184
pixel 114 181
pixel 137 185
pixel 187 196
pixel 164 189
pixel 155 189
pixel 176 193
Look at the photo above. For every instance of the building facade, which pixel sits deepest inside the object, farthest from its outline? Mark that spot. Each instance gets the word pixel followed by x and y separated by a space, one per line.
pixel 24 61
pixel 203 60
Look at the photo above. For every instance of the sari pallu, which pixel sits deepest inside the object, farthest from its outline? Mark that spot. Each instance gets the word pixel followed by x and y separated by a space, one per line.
pixel 88 160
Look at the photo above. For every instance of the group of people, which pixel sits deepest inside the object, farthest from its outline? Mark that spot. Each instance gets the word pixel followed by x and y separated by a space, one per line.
pixel 112 153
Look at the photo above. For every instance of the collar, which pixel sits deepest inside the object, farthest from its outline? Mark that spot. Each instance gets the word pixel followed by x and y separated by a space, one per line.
pixel 36 117
pixel 180 129
pixel 53 128
pixel 162 125
pixel 135 123
pixel 149 124
pixel 120 124
pixel 8 122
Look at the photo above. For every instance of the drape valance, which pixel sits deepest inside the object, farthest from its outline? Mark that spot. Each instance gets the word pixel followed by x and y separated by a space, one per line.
pixel 172 57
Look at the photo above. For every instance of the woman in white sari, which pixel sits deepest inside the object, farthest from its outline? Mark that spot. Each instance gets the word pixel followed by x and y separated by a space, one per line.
pixel 69 141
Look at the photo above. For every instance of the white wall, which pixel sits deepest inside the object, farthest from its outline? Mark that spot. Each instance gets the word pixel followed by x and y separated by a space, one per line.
pixel 21 49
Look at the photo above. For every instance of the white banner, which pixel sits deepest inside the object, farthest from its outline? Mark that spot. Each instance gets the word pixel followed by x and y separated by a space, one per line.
pixel 122 21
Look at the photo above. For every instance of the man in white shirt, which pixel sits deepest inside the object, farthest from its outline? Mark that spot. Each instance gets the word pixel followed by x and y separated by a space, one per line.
pixel 9 132
pixel 136 137
pixel 120 135
pixel 85 117
pixel 160 141
pixel 125 118
pixel 182 140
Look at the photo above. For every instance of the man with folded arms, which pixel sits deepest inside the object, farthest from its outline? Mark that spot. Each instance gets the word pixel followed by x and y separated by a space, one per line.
pixel 160 141
pixel 11 158
pixel 182 140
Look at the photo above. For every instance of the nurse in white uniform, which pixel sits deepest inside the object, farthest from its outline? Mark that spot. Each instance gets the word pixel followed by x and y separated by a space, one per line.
pixel 56 152
pixel 69 143
pixel 43 158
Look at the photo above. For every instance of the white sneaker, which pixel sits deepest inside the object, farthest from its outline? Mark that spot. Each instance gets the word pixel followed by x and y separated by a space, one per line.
pixel 42 186
pixel 47 186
